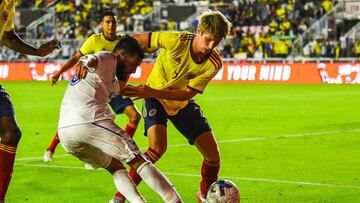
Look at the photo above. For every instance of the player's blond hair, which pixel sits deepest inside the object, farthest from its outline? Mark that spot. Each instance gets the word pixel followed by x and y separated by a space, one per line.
pixel 214 22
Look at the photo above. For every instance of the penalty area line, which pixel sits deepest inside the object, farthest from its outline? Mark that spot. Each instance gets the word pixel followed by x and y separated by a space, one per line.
pixel 264 180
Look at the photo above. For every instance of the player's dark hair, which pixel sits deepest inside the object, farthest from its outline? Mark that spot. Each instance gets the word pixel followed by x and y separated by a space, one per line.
pixel 130 46
pixel 107 13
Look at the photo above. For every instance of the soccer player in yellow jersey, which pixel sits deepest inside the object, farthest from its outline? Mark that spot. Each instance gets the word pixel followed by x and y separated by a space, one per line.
pixel 104 41
pixel 10 133
pixel 186 64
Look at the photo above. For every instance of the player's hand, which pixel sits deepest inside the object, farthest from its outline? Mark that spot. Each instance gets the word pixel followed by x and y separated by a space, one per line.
pixel 48 47
pixel 140 91
pixel 80 71
pixel 55 78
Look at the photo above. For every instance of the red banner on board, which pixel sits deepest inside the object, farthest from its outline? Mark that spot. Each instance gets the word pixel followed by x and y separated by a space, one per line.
pixel 295 73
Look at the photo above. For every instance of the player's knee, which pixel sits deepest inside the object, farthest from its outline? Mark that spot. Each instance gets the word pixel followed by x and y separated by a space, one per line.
pixel 160 149
pixel 135 117
pixel 213 156
pixel 16 136
pixel 137 161
pixel 114 165
pixel 11 136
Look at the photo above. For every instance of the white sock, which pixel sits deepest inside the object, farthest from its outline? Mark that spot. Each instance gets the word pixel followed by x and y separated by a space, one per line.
pixel 158 182
pixel 127 187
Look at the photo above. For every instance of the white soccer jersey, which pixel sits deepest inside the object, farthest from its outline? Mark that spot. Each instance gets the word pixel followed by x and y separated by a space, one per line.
pixel 86 100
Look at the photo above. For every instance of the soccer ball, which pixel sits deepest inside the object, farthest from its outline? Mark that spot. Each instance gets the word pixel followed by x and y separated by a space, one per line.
pixel 223 191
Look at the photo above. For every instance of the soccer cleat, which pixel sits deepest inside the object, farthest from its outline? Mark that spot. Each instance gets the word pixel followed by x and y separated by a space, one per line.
pixel 48 156
pixel 117 199
pixel 200 198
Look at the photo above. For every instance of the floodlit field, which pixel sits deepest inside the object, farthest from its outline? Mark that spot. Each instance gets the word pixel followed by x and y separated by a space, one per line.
pixel 279 143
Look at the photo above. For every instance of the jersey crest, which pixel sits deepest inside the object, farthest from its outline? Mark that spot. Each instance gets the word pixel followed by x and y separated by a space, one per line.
pixel 152 112
pixel 74 81
pixel 4 16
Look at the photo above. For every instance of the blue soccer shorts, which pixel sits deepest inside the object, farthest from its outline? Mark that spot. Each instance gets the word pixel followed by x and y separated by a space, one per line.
pixel 6 107
pixel 189 121
pixel 119 104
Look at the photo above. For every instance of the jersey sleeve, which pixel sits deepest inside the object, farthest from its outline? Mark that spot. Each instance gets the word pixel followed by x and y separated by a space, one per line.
pixel 10 26
pixel 88 46
pixel 214 65
pixel 84 60
pixel 107 64
pixel 200 82
pixel 165 40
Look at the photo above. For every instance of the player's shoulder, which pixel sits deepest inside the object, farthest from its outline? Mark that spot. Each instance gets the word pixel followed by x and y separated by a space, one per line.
pixel 96 35
pixel 174 35
pixel 215 59
pixel 105 54
pixel 9 6
pixel 93 37
pixel 186 36
pixel 106 59
pixel 120 36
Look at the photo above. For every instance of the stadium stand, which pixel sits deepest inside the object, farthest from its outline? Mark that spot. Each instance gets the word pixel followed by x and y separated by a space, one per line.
pixel 262 29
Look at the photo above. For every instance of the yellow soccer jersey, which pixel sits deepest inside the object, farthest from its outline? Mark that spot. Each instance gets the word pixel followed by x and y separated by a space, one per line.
pixel 176 68
pixel 96 43
pixel 7 15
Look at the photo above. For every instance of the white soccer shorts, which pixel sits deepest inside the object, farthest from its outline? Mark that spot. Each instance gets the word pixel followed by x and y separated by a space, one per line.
pixel 96 143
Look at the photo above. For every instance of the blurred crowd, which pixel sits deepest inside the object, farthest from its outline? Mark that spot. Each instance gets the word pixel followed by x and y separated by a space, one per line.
pixel 261 28
pixel 34 3
pixel 79 19
pixel 267 28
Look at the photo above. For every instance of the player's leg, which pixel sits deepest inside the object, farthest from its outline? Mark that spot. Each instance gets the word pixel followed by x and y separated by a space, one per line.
pixel 49 153
pixel 126 105
pixel 123 182
pixel 155 179
pixel 134 118
pixel 85 141
pixel 155 119
pixel 157 139
pixel 113 141
pixel 192 123
pixel 207 146
pixel 10 135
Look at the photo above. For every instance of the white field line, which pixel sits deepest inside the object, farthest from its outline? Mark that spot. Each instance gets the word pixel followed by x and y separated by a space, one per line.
pixel 277 136
pixel 317 133
pixel 266 180
pixel 240 97
pixel 40 157
pixel 231 141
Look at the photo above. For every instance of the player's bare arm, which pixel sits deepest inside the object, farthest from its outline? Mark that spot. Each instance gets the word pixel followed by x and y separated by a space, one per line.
pixel 144 40
pixel 69 64
pixel 13 41
pixel 144 91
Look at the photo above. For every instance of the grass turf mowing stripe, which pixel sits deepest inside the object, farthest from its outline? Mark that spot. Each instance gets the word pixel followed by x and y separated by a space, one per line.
pixel 231 141
pixel 265 180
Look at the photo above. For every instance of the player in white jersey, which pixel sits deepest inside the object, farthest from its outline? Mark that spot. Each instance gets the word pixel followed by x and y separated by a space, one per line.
pixel 86 125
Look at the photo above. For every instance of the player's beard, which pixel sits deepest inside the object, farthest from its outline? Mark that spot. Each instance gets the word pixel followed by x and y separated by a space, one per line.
pixel 120 71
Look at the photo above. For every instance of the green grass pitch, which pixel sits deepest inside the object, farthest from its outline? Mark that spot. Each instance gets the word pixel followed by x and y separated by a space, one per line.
pixel 279 143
